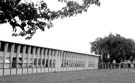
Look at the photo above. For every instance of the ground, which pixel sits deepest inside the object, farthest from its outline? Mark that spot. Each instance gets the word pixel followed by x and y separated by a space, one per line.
pixel 89 76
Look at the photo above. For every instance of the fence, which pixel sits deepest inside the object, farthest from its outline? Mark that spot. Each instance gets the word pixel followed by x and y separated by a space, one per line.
pixel 116 65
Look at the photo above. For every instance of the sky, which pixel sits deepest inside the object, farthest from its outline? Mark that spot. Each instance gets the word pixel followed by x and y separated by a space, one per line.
pixel 76 33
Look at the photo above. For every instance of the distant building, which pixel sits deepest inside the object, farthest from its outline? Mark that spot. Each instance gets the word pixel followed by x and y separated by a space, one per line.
pixel 16 58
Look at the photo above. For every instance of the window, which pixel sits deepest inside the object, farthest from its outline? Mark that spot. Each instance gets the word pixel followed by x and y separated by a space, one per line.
pixel 39 62
pixel 2 46
pixel 54 63
pixel 51 52
pixel 14 63
pixel 31 50
pixel 48 52
pixel 43 62
pixel 27 49
pixel 44 51
pixel 15 49
pixel 21 49
pixel 46 63
pixel 54 52
pixel 20 62
pixel 9 48
pixel 35 62
pixel 36 51
pixel 41 51
pixel 50 65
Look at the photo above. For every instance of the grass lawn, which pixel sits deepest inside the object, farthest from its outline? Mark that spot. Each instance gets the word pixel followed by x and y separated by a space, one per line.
pixel 91 76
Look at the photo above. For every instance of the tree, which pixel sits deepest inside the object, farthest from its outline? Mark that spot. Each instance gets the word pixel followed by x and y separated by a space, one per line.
pixel 29 16
pixel 114 47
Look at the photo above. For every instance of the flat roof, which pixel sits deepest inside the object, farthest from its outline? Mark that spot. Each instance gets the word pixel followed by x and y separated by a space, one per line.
pixel 49 48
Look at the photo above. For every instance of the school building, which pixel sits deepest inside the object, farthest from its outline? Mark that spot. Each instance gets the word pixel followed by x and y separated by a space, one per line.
pixel 17 59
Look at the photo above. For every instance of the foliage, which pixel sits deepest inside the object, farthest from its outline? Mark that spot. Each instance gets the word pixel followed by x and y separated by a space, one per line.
pixel 114 47
pixel 29 16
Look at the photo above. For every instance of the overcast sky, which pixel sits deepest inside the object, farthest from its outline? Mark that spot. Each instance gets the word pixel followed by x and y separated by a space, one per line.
pixel 76 33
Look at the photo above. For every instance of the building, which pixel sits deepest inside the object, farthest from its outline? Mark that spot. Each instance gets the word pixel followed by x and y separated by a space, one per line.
pixel 16 58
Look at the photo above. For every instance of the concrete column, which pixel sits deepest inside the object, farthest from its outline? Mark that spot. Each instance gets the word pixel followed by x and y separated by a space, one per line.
pixel 72 61
pixel 23 54
pixel 55 57
pixel 67 59
pixel 53 60
pixel 29 70
pixel 17 57
pixel 33 56
pixel 64 56
pixel 38 57
pixel 11 57
pixel 49 56
pixel 52 57
pixel 46 59
pixel 60 54
pixel 77 61
pixel 56 62
pixel 5 54
pixel 42 59
pixel 60 61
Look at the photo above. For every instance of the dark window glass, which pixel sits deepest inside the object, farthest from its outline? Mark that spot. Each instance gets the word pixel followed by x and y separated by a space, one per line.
pixel 35 62
pixel 27 49
pixel 54 63
pixel 14 62
pixel 44 51
pixel 2 46
pixel 36 50
pixel 9 48
pixel 39 62
pixel 21 49
pixel 40 51
pixel 31 50
pixel 46 62
pixel 48 52
pixel 50 65
pixel 43 62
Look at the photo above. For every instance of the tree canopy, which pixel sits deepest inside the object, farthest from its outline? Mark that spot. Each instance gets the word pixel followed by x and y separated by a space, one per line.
pixel 114 47
pixel 30 16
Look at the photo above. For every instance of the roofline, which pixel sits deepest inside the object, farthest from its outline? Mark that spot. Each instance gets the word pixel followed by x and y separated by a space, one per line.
pixel 49 48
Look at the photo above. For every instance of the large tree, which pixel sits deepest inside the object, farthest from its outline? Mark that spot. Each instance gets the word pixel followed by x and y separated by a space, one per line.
pixel 114 47
pixel 30 16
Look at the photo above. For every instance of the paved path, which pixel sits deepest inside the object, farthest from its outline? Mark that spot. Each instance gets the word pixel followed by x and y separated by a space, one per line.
pixel 91 76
